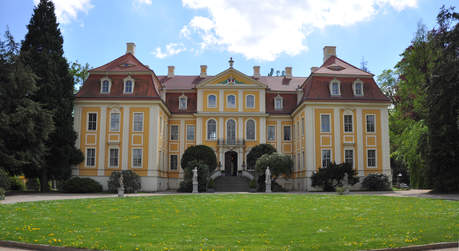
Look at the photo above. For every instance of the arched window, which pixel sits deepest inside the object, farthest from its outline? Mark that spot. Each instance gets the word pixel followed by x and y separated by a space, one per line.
pixel 250 130
pixel 211 101
pixel 278 102
pixel 211 129
pixel 250 101
pixel 335 88
pixel 231 131
pixel 358 87
pixel 183 100
pixel 105 84
pixel 231 101
pixel 128 85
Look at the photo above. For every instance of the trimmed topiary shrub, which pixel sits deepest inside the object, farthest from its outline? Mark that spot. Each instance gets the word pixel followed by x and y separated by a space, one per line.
pixel 258 151
pixel 131 181
pixel 202 154
pixel 330 177
pixel 81 185
pixel 33 184
pixel 376 182
pixel 4 179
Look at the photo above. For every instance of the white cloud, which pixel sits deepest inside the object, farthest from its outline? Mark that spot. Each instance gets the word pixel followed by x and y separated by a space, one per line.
pixel 170 50
pixel 67 10
pixel 265 29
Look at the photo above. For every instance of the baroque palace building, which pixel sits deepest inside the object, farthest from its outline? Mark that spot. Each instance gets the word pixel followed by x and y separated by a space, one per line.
pixel 129 118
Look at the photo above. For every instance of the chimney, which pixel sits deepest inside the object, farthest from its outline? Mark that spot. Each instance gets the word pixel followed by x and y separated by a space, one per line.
pixel 203 71
pixel 288 72
pixel 329 51
pixel 314 68
pixel 170 71
pixel 130 48
pixel 256 71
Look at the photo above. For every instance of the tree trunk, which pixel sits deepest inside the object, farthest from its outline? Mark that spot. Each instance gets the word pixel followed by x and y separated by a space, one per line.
pixel 44 181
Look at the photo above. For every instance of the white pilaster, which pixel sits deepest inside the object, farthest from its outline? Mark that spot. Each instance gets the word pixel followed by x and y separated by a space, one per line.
pixel 385 142
pixel 262 126
pixel 240 100
pixel 221 124
pixel 153 139
pixel 262 100
pixel 221 100
pixel 102 129
pixel 309 139
pixel 125 144
pixel 279 136
pixel 360 163
pixel 199 131
pixel 337 131
pixel 240 130
pixel 200 98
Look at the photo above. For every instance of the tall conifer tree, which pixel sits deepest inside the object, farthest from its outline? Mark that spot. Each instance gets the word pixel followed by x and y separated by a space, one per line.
pixel 42 50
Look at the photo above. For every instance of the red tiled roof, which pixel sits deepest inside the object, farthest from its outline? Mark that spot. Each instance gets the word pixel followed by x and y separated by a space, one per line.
pixel 172 102
pixel 275 83
pixel 125 63
pixel 181 82
pixel 337 66
pixel 289 103
pixel 143 87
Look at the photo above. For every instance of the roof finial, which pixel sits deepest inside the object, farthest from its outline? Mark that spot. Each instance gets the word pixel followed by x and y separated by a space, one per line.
pixel 231 62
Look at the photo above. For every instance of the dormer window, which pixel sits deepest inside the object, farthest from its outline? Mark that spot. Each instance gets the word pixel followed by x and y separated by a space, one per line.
pixel 358 88
pixel 128 85
pixel 278 102
pixel 105 85
pixel 335 89
pixel 183 100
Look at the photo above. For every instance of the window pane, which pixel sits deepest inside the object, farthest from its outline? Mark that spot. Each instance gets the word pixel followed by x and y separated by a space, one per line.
pixel 90 157
pixel 92 121
pixel 137 157
pixel 287 133
pixel 347 123
pixel 231 131
pixel 271 132
pixel 250 130
pixel 211 130
pixel 190 132
pixel 182 103
pixel 371 158
pixel 278 103
pixel 174 132
pixel 105 86
pixel 325 123
pixel 335 88
pixel 114 122
pixel 250 101
pixel 349 156
pixel 326 154
pixel 358 89
pixel 173 162
pixel 114 157
pixel 231 101
pixel 138 122
pixel 212 102
pixel 128 86
pixel 370 123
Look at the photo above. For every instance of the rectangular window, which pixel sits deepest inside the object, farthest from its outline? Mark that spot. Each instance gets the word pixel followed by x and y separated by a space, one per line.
pixel 115 122
pixel 326 158
pixel 174 132
pixel 231 100
pixel 349 156
pixel 173 162
pixel 211 101
pixel 335 88
pixel 114 156
pixel 278 103
pixel 287 133
pixel 92 121
pixel 324 122
pixel 137 158
pixel 138 122
pixel 371 123
pixel 271 133
pixel 90 157
pixel 190 132
pixel 182 103
pixel 348 123
pixel 371 158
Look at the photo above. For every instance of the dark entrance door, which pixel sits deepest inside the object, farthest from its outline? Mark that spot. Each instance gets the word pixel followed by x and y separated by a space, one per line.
pixel 231 163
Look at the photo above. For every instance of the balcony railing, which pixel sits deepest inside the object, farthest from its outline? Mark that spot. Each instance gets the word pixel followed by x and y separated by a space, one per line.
pixel 231 142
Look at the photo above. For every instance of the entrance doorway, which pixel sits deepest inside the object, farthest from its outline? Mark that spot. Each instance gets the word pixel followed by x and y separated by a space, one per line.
pixel 231 163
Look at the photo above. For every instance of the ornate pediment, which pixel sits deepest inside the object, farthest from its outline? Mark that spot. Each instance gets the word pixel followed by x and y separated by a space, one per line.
pixel 231 78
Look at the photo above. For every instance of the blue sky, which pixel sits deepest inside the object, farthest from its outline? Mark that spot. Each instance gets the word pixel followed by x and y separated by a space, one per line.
pixel 269 33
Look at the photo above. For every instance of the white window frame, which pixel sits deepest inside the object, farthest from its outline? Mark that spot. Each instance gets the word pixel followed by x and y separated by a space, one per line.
pixel 247 101
pixel 133 122
pixel 128 78
pixel 209 105
pixel 178 133
pixel 254 130
pixel 283 133
pixel 376 158
pixel 87 121
pixel 322 157
pixel 109 164
pixel 331 87
pixel 207 130
pixel 132 157
pixel 102 85
pixel 274 136
pixel 180 103
pixel 366 123
pixel 344 123
pixel 86 157
pixel 353 155
pixel 119 121
pixel 228 104
pixel 278 97
pixel 329 122
pixel 170 162
pixel 354 87
pixel 194 133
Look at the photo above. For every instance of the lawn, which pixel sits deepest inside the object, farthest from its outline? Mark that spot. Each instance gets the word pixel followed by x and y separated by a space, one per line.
pixel 233 222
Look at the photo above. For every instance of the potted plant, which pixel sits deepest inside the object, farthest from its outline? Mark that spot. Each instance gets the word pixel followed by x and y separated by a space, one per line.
pixel 253 186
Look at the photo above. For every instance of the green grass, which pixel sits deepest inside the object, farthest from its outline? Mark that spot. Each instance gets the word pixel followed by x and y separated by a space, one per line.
pixel 233 222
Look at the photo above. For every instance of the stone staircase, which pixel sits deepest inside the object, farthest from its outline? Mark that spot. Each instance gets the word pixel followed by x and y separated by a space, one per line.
pixel 231 184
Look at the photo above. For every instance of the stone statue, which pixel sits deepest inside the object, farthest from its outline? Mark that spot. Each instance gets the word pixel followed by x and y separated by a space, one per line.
pixel 268 180
pixel 195 180
pixel 121 187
